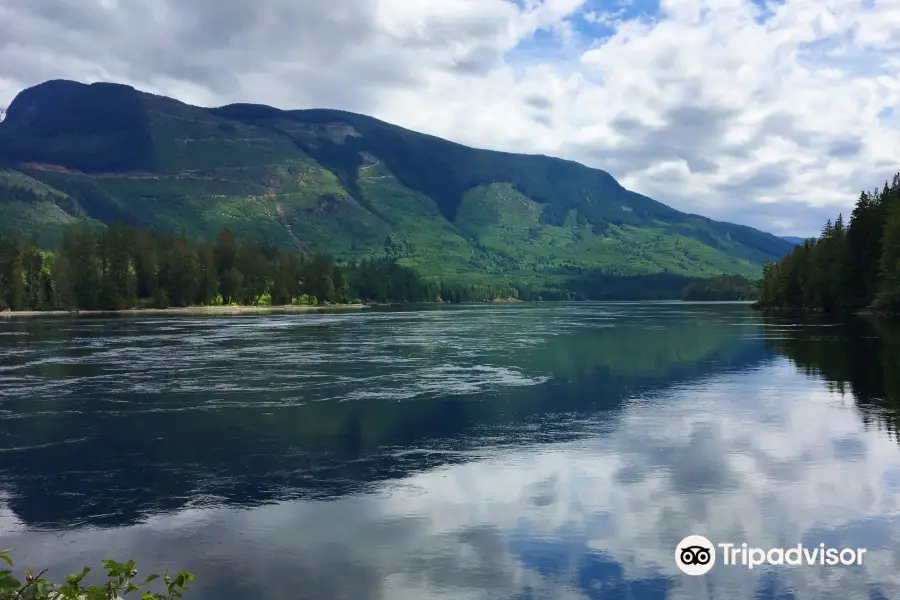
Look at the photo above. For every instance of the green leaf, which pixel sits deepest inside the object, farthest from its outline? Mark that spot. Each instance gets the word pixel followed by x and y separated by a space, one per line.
pixel 185 576
pixel 151 578
pixel 7 581
pixel 42 588
pixel 75 579
pixel 115 568
pixel 4 556
pixel 96 593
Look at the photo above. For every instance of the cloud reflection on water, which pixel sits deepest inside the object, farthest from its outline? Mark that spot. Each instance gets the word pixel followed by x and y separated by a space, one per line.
pixel 765 456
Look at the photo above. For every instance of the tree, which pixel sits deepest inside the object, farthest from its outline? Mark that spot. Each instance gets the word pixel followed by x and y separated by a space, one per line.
pixel 207 274
pixel 231 284
pixel 146 265
pixel 321 284
pixel 286 278
pixel 225 251
pixel 36 275
pixel 847 266
pixel 63 285
pixel 118 282
pixel 254 270
pixel 12 272
pixel 179 272
pixel 80 246
pixel 121 267
pixel 889 264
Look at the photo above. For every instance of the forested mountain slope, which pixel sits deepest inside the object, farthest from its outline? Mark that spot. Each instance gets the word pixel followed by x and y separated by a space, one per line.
pixel 343 183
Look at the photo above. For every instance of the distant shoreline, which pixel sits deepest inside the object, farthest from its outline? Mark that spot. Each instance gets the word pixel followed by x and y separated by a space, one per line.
pixel 303 308
pixel 867 311
pixel 186 310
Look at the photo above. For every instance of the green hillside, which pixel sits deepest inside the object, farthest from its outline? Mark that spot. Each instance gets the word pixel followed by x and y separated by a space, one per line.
pixel 343 183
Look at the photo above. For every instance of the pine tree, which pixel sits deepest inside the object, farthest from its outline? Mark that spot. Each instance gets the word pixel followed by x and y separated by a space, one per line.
pixel 889 264
pixel 12 273
pixel 254 269
pixel 207 275
pixel 179 272
pixel 225 251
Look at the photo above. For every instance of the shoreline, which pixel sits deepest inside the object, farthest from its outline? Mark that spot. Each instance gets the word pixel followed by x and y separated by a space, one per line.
pixel 876 312
pixel 865 311
pixel 786 309
pixel 185 310
pixel 303 308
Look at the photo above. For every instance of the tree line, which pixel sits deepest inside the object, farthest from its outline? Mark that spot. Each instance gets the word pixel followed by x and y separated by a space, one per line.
pixel 849 266
pixel 722 288
pixel 121 267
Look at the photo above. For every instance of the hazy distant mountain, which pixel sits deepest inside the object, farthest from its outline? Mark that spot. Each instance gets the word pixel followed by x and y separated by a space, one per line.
pixel 793 239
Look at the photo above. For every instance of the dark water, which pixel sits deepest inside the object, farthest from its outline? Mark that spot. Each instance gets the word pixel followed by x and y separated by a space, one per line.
pixel 525 451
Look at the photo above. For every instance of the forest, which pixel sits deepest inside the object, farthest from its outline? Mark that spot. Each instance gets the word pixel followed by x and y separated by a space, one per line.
pixel 121 267
pixel 849 266
pixel 722 288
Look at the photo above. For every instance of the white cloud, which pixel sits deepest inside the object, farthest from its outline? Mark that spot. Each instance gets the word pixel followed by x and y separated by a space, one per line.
pixel 769 117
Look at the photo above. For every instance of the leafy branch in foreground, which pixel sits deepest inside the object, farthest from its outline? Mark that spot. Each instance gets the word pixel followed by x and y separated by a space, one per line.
pixel 120 582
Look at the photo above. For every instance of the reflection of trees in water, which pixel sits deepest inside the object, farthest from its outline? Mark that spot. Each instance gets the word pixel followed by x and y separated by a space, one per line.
pixel 128 466
pixel 859 356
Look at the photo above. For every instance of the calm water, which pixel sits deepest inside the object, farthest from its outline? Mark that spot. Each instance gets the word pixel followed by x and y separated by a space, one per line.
pixel 524 451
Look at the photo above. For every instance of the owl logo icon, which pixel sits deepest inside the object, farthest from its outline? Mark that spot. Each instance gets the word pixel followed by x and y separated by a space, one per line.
pixel 695 555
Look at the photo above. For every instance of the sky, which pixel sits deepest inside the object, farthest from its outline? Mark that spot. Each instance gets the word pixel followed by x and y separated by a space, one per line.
pixel 770 114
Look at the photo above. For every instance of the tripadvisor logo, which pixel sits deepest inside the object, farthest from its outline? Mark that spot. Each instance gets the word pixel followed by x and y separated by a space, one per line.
pixel 696 555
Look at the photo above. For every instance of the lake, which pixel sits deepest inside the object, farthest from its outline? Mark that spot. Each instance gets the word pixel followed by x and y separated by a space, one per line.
pixel 467 452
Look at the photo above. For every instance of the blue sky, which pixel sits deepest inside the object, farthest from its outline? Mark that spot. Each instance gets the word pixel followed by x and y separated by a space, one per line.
pixel 772 114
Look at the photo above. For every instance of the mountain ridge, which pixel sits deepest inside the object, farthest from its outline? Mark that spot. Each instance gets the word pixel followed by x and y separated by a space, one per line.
pixel 345 183
pixel 793 239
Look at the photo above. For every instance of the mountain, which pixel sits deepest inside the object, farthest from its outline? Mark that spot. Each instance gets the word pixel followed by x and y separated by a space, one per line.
pixel 343 183
pixel 796 241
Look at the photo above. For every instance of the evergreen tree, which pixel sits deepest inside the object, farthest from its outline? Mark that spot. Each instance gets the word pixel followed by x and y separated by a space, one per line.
pixel 63 284
pixel 889 264
pixel 847 266
pixel 286 281
pixel 12 273
pixel 145 256
pixel 207 275
pixel 80 247
pixel 120 267
pixel 179 272
pixel 254 269
pixel 225 251
pixel 119 285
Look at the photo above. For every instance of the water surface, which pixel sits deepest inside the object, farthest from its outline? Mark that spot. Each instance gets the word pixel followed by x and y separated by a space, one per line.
pixel 515 451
